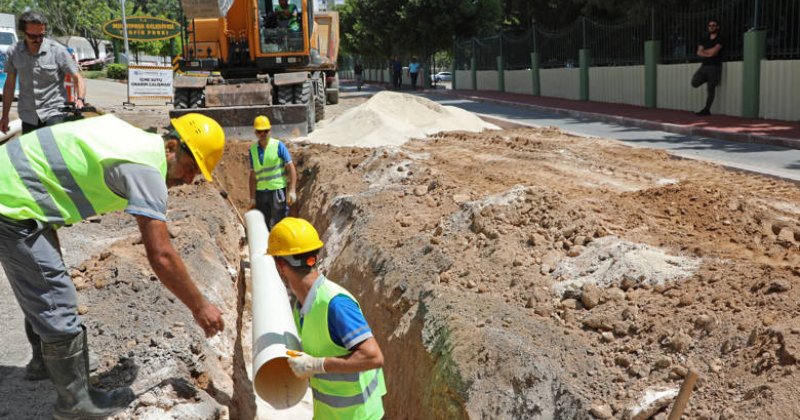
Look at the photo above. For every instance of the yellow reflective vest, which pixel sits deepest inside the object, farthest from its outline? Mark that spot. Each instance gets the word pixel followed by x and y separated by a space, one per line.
pixel 270 172
pixel 57 174
pixel 345 396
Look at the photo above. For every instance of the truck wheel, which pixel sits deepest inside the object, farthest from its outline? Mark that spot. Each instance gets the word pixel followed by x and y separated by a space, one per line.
pixel 319 99
pixel 196 98
pixel 285 95
pixel 332 91
pixel 310 115
pixel 305 93
pixel 181 99
pixel 333 96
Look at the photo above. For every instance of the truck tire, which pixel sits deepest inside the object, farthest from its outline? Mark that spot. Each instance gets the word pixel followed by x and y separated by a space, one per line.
pixel 181 99
pixel 305 93
pixel 285 95
pixel 319 99
pixel 332 92
pixel 310 115
pixel 196 98
pixel 333 96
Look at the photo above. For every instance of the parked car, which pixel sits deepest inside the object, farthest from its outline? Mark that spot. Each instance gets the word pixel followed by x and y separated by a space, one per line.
pixel 442 76
pixel 3 57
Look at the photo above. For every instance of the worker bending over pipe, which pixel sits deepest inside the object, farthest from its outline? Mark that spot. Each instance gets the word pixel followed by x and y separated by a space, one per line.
pixel 340 355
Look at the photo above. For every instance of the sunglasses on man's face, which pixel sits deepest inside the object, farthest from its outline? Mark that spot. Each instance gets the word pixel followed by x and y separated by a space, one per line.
pixel 262 131
pixel 35 37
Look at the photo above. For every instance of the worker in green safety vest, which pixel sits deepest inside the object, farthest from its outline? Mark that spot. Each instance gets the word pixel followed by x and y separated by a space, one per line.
pixel 271 191
pixel 340 354
pixel 62 174
pixel 288 15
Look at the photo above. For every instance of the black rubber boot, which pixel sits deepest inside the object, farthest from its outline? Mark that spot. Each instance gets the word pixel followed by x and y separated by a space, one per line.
pixel 34 370
pixel 67 363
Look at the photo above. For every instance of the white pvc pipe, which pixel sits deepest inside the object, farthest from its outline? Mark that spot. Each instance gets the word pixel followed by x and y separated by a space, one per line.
pixel 14 127
pixel 274 330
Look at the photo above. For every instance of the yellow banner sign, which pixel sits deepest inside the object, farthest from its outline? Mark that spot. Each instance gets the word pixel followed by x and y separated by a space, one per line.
pixel 143 28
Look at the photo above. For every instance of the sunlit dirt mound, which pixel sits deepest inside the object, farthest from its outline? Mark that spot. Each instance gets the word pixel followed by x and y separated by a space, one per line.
pixel 392 118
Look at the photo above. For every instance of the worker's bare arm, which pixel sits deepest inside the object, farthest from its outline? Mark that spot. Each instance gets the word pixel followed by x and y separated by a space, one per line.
pixel 80 84
pixel 8 97
pixel 170 269
pixel 252 183
pixel 292 191
pixel 366 355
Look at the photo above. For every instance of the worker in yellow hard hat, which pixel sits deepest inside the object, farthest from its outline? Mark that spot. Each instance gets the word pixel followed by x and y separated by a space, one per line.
pixel 340 354
pixel 271 190
pixel 60 175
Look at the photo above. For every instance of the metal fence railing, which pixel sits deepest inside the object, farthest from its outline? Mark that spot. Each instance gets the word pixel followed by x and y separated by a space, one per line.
pixel 559 48
pixel 680 30
pixel 616 44
pixel 782 20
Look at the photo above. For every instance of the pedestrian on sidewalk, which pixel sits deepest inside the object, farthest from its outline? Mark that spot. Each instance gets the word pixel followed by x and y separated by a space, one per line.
pixel 42 65
pixel 270 160
pixel 60 175
pixel 413 72
pixel 710 71
pixel 358 70
pixel 397 73
pixel 340 354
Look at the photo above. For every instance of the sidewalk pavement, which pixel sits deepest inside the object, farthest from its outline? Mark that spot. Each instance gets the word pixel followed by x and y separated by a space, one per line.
pixel 720 127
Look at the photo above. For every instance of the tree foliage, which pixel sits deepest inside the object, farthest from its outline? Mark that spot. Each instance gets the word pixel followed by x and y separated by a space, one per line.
pixel 383 28
pixel 86 18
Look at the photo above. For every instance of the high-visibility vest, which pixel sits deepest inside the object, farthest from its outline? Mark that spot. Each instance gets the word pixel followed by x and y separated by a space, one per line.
pixel 270 172
pixel 344 396
pixel 56 174
pixel 294 16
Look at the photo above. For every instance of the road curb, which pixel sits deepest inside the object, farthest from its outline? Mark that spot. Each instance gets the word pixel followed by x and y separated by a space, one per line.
pixel 647 124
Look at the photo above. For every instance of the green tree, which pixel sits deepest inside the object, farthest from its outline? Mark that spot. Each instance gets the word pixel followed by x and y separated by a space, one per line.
pixel 91 22
pixel 382 28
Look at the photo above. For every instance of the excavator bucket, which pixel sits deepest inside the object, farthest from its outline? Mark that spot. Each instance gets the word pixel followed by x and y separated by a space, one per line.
pixel 288 121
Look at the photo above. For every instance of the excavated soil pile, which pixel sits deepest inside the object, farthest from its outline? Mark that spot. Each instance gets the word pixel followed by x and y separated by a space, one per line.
pixel 392 118
pixel 529 274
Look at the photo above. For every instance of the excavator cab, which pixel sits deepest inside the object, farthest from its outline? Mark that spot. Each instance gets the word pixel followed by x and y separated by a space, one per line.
pixel 257 57
pixel 281 26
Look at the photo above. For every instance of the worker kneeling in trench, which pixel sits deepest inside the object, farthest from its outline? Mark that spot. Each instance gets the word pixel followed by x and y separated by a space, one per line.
pixel 341 356
pixel 63 174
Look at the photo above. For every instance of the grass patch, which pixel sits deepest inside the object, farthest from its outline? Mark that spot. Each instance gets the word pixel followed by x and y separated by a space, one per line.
pixel 94 74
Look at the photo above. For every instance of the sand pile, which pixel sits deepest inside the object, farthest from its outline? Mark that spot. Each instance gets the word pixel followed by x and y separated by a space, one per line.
pixel 392 118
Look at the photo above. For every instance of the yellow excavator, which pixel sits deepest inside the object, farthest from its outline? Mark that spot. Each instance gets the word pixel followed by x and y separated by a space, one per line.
pixel 243 58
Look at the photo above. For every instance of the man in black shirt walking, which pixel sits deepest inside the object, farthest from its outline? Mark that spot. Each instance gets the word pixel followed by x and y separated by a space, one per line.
pixel 710 71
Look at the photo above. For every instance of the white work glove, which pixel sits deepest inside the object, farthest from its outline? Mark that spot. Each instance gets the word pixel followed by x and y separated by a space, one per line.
pixel 305 366
pixel 292 198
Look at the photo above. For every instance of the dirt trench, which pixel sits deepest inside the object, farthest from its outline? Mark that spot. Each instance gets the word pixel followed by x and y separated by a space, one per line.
pixel 501 272
pixel 525 273
pixel 418 326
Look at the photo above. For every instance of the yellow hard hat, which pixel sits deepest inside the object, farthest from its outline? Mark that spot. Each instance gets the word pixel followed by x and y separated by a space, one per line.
pixel 293 236
pixel 205 139
pixel 262 123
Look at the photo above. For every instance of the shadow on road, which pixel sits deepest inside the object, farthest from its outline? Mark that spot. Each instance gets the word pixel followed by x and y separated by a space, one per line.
pixel 34 400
